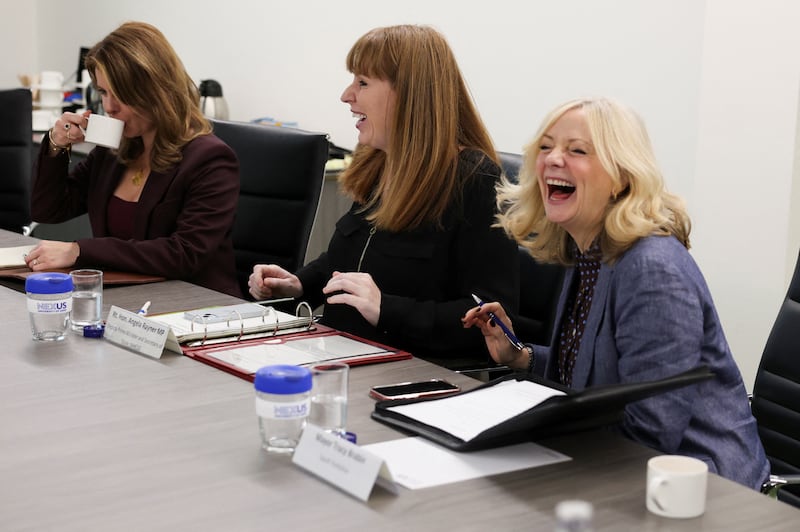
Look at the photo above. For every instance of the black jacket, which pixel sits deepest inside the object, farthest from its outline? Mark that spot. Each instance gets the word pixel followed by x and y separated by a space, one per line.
pixel 426 276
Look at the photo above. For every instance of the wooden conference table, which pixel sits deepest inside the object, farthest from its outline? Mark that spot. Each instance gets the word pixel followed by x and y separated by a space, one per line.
pixel 94 437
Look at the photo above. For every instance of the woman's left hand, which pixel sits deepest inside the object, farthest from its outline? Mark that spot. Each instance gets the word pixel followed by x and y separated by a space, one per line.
pixel 50 254
pixel 357 290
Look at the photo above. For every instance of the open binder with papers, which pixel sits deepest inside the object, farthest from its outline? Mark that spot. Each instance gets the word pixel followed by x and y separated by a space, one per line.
pixel 256 336
pixel 515 409
pixel 232 323
pixel 321 345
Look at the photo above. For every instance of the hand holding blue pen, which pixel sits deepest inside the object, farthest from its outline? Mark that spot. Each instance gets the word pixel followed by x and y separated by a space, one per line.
pixel 506 331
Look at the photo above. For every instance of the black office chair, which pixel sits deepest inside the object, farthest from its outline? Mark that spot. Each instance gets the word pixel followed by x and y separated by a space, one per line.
pixel 540 284
pixel 510 163
pixel 16 140
pixel 281 171
pixel 540 288
pixel 776 398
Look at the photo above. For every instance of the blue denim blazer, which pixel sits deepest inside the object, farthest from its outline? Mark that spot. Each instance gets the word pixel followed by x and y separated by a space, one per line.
pixel 652 316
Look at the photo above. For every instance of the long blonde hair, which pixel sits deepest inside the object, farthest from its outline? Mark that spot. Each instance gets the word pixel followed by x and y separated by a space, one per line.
pixel 642 206
pixel 413 182
pixel 145 73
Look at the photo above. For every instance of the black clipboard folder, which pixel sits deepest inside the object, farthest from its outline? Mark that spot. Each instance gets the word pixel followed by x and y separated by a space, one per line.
pixel 577 410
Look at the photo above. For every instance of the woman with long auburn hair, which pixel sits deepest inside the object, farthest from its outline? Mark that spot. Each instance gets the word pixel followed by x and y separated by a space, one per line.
pixel 418 239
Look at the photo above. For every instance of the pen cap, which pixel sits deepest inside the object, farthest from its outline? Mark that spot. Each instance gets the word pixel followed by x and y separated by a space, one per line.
pixel 283 379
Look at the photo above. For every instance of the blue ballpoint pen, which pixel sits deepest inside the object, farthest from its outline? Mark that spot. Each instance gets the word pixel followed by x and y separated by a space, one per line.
pixel 506 331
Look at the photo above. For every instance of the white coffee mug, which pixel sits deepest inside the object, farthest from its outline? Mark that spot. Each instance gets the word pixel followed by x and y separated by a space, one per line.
pixel 676 486
pixel 51 98
pixel 51 79
pixel 104 131
pixel 43 119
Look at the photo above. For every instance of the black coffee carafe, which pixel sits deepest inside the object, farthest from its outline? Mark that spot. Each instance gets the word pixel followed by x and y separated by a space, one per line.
pixel 212 104
pixel 93 100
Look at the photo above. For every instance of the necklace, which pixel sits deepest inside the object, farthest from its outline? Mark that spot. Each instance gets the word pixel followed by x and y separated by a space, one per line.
pixel 138 177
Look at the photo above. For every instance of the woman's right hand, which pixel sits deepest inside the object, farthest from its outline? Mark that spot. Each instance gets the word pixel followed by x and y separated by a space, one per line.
pixel 68 129
pixel 498 345
pixel 270 281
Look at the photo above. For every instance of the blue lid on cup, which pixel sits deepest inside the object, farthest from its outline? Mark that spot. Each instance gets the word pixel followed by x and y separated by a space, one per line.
pixel 48 283
pixel 283 379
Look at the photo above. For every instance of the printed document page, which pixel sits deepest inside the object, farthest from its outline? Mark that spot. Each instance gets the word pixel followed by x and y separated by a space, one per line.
pixel 14 257
pixel 467 415
pixel 417 463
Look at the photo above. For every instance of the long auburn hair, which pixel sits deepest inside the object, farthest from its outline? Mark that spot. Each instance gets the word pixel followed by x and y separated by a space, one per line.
pixel 145 73
pixel 414 180
pixel 642 206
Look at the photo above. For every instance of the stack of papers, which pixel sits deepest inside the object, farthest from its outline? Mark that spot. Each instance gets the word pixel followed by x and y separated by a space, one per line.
pixel 14 257
pixel 416 463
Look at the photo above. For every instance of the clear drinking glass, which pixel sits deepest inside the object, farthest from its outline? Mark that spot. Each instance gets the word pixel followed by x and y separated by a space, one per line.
pixel 329 397
pixel 87 299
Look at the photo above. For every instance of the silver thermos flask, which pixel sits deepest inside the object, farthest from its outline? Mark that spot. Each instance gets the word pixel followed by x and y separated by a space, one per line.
pixel 212 104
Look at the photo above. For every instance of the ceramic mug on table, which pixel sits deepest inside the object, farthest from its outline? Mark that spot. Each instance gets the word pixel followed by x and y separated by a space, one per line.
pixel 676 486
pixel 51 79
pixel 43 119
pixel 104 131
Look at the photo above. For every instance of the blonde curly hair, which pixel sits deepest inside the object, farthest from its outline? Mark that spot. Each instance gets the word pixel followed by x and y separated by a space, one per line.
pixel 643 206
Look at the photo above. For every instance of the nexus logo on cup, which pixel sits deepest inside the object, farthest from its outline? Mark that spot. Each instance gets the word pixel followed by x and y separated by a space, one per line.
pixel 104 131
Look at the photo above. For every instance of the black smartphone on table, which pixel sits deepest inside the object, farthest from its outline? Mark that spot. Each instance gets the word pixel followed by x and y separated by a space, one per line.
pixel 413 390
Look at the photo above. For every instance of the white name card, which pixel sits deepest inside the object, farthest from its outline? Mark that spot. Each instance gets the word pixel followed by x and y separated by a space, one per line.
pixel 135 332
pixel 345 465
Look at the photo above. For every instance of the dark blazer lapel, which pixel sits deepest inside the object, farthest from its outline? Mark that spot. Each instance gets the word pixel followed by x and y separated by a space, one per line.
pixel 585 359
pixel 155 188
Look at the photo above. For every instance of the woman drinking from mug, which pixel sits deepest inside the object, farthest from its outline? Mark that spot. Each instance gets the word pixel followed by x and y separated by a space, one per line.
pixel 163 203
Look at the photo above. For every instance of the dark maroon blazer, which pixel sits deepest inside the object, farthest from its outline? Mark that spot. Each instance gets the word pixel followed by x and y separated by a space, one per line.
pixel 184 217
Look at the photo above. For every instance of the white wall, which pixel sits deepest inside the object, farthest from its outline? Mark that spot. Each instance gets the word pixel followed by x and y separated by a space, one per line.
pixel 715 80
pixel 746 237
pixel 18 41
pixel 286 59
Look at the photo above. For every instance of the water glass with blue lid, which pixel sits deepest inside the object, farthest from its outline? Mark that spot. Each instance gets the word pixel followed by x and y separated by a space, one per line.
pixel 49 304
pixel 283 400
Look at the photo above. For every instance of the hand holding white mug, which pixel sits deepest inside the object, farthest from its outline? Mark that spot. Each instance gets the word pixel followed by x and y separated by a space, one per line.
pixel 73 128
pixel 68 129
pixel 103 131
pixel 676 486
